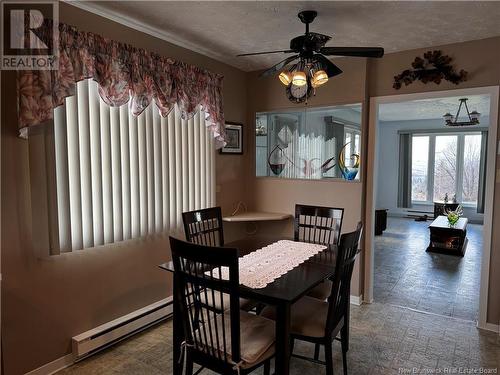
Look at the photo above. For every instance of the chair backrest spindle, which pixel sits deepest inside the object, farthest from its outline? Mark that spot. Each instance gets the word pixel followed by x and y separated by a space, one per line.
pixel 315 224
pixel 204 227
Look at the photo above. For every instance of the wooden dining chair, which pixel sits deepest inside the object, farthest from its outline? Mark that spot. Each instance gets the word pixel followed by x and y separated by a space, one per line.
pixel 321 225
pixel 320 322
pixel 225 340
pixel 204 227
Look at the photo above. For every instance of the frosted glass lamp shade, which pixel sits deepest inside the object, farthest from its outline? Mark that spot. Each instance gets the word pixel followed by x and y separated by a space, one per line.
pixel 299 78
pixel 319 78
pixel 448 117
pixel 285 78
pixel 474 115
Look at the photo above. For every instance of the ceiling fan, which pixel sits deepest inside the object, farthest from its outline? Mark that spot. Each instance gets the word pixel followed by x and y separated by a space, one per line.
pixel 309 67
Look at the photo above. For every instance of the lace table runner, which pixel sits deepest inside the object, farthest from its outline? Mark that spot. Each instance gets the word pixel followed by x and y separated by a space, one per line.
pixel 263 266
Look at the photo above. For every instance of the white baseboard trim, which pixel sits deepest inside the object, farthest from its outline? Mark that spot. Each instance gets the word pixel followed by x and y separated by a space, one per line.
pixel 356 300
pixel 54 366
pixel 490 327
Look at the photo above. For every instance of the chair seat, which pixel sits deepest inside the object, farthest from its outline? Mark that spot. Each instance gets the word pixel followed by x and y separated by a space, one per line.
pixel 308 317
pixel 245 304
pixel 257 337
pixel 322 291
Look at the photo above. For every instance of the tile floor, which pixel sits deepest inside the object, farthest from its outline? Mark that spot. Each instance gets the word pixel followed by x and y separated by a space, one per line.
pixel 388 336
pixel 385 339
pixel 406 275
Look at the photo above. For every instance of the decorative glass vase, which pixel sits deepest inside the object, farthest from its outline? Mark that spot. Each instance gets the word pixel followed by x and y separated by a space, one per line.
pixel 277 160
pixel 454 215
pixel 350 167
pixel 453 219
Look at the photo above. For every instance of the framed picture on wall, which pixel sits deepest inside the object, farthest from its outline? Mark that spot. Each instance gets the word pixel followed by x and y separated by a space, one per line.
pixel 234 138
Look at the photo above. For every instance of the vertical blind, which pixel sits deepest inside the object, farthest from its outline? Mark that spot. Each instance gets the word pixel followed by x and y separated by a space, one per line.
pixel 119 176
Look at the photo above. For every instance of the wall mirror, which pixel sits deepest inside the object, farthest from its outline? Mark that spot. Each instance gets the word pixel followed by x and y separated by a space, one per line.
pixel 311 143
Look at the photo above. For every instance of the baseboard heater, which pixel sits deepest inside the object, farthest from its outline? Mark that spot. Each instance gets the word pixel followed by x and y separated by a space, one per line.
pixel 119 329
pixel 416 213
pixel 419 212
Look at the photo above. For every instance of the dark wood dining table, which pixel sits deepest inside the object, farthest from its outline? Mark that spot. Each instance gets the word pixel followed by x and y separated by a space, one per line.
pixel 282 293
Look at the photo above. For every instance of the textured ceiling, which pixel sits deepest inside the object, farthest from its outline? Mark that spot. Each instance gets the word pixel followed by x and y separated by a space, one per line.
pixel 223 29
pixel 428 109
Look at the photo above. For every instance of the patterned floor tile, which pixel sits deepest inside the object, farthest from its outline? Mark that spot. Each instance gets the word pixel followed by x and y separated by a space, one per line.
pixel 406 275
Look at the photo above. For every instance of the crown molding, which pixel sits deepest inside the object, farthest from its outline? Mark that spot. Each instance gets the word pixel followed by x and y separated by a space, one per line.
pixel 144 28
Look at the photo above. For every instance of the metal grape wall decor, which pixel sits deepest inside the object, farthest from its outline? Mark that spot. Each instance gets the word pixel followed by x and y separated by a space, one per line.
pixel 433 67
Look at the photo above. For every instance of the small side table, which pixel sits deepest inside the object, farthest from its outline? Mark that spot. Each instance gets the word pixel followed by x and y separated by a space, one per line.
pixel 448 239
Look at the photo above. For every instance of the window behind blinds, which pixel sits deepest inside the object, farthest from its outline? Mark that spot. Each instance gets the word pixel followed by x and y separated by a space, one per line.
pixel 119 177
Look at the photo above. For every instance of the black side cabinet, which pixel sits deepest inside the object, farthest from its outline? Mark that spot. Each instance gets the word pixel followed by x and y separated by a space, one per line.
pixel 380 221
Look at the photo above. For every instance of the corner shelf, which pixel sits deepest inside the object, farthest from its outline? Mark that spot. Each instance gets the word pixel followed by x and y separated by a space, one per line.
pixel 254 216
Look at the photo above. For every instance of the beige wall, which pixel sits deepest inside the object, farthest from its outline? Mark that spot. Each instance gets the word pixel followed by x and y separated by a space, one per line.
pixel 46 301
pixel 280 195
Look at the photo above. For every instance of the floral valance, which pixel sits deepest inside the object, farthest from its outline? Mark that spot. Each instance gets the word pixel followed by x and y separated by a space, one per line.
pixel 124 74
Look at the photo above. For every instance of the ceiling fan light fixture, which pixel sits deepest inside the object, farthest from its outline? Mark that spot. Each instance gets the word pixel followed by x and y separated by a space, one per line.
pixel 319 78
pixel 285 78
pixel 299 78
pixel 312 67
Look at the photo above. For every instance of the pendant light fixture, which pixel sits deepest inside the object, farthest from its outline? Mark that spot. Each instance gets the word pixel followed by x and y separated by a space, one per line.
pixel 473 116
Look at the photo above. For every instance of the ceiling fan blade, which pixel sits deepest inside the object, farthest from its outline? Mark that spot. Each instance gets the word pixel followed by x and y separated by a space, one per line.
pixel 330 68
pixel 264 53
pixel 353 51
pixel 274 69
